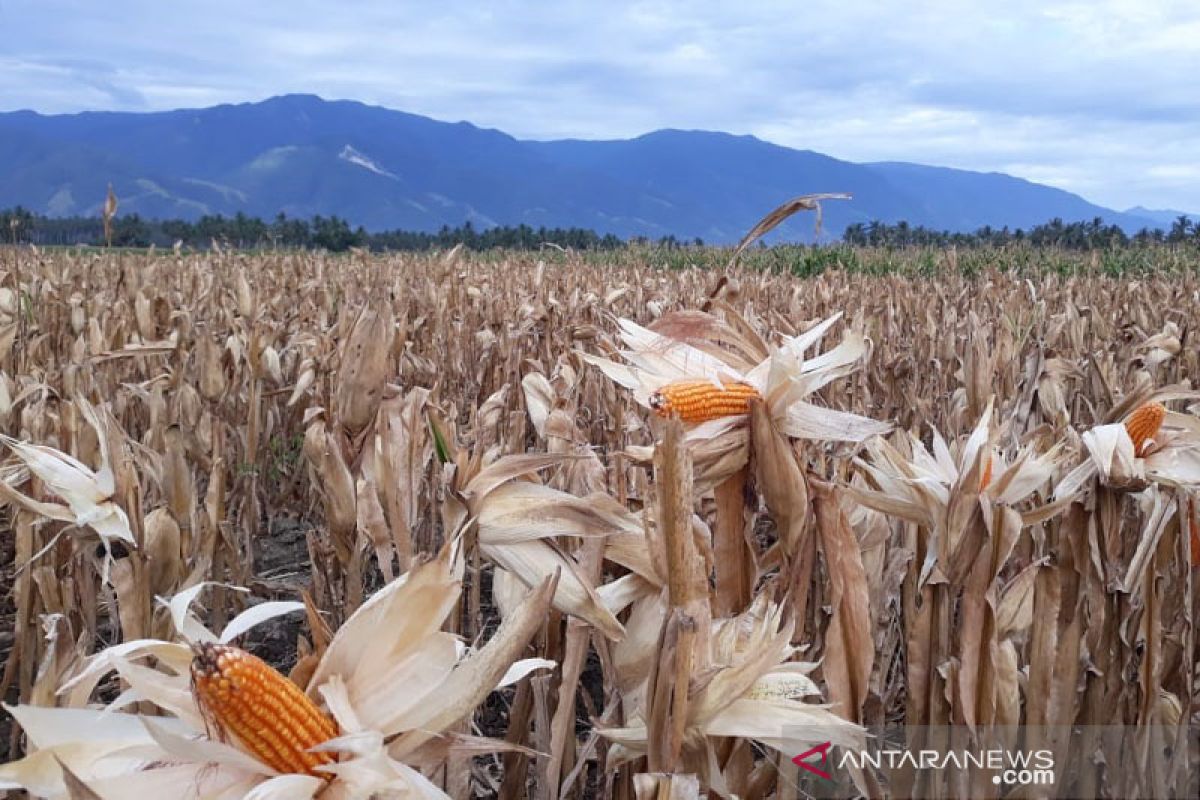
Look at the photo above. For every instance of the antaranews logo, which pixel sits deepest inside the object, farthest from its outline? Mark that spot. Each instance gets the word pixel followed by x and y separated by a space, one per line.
pixel 953 761
pixel 1010 767
pixel 802 760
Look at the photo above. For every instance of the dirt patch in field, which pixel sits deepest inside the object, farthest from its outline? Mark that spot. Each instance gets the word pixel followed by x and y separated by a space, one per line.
pixel 281 572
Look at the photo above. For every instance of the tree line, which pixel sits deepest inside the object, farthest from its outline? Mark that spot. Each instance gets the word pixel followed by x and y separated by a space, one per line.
pixel 19 225
pixel 1092 235
pixel 332 233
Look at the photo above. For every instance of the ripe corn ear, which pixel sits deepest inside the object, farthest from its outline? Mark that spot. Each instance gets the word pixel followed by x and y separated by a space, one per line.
pixel 241 695
pixel 697 401
pixel 1143 424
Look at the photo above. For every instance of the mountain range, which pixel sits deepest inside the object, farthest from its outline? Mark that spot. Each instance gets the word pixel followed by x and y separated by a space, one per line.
pixel 386 169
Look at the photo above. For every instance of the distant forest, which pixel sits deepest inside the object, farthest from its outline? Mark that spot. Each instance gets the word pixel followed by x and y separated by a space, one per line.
pixel 1093 235
pixel 18 225
pixel 244 232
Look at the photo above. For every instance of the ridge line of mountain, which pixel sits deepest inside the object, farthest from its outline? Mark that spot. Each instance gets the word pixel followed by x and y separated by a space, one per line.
pixel 387 169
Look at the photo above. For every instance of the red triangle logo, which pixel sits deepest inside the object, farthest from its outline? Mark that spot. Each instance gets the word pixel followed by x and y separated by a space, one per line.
pixel 802 762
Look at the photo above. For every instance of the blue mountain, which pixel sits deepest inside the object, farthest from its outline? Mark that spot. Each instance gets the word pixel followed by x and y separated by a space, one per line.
pixel 301 155
pixel 1164 217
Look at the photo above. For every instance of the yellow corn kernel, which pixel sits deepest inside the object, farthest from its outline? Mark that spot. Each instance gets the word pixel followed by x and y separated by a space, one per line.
pixel 1143 424
pixel 696 401
pixel 242 696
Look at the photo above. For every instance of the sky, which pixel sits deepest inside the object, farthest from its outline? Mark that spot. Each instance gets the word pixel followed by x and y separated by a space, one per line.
pixel 1099 98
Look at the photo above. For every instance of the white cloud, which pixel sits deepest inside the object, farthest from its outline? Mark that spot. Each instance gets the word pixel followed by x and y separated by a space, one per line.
pixel 1096 97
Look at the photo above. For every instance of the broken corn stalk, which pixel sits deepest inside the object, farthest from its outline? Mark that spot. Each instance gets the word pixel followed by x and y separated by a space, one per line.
pixel 241 695
pixel 696 401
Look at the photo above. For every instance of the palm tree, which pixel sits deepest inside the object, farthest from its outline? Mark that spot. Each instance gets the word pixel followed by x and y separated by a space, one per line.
pixel 1179 229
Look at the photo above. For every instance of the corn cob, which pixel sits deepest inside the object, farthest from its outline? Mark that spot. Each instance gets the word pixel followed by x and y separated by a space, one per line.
pixel 695 401
pixel 240 694
pixel 1143 424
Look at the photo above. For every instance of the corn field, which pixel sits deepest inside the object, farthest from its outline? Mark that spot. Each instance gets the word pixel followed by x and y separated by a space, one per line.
pixel 295 525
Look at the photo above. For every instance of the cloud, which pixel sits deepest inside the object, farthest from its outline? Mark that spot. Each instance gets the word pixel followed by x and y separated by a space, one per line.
pixel 1095 97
